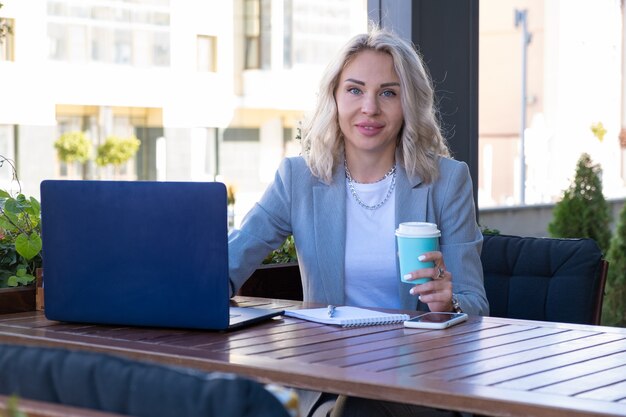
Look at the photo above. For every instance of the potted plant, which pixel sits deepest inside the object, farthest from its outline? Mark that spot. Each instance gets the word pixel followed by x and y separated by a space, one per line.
pixel 20 247
pixel 74 147
pixel 278 276
pixel 116 151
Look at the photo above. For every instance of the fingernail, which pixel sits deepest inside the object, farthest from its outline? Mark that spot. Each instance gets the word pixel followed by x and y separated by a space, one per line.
pixel 421 258
pixel 412 291
pixel 407 276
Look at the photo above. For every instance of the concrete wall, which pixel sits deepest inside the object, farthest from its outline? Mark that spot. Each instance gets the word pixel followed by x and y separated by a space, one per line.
pixel 530 220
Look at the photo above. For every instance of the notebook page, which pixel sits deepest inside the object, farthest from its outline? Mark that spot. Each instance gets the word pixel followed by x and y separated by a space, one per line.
pixel 347 316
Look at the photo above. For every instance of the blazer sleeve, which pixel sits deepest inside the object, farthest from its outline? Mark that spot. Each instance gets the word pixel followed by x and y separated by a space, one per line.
pixel 263 229
pixel 461 240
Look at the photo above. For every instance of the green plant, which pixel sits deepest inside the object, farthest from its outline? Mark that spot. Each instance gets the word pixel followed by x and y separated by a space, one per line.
pixel 12 409
pixel 487 231
pixel 598 131
pixel 285 253
pixel 73 147
pixel 20 239
pixel 117 151
pixel 583 210
pixel 614 305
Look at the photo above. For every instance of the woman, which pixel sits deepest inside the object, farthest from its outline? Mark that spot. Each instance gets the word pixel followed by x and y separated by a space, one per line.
pixel 373 157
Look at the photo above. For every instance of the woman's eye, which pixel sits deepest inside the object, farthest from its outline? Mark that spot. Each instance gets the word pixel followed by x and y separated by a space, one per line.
pixel 388 93
pixel 354 90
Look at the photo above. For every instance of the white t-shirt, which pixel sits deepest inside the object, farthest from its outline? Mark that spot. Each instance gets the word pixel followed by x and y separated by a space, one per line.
pixel 370 264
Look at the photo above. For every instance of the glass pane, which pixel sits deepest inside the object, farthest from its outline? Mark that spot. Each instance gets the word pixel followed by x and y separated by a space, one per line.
pixel 57 41
pixel 77 43
pixel 544 81
pixel 161 49
pixel 317 28
pixel 205 53
pixel 123 47
pixel 251 53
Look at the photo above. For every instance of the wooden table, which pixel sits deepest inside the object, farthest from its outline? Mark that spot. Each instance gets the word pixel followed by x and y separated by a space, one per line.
pixel 491 366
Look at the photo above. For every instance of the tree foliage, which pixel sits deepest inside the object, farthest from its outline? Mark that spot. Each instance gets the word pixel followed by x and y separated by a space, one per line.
pixel 117 151
pixel 73 146
pixel 583 211
pixel 614 306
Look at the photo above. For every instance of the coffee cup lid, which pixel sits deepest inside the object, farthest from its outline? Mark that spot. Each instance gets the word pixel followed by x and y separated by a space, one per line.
pixel 417 229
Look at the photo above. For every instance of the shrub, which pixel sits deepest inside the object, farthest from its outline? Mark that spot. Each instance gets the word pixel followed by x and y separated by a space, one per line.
pixel 614 306
pixel 284 254
pixel 583 210
pixel 117 151
pixel 73 147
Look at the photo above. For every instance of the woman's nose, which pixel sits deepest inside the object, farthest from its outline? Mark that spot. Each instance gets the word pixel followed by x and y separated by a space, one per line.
pixel 370 105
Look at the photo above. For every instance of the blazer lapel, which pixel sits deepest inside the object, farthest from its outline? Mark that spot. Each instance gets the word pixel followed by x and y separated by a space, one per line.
pixel 411 206
pixel 329 222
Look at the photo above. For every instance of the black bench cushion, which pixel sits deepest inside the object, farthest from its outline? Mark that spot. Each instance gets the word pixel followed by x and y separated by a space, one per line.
pixel 541 278
pixel 110 383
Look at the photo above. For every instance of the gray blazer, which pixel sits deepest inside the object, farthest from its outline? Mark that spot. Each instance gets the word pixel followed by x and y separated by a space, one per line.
pixel 300 204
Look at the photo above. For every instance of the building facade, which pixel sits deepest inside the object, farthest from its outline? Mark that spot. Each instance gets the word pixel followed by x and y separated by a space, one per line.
pixel 213 89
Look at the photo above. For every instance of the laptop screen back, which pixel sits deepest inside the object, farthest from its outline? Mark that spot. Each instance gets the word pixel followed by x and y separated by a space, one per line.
pixel 136 253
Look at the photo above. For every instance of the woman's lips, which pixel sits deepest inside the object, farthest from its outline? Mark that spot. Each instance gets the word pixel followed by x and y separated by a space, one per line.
pixel 369 129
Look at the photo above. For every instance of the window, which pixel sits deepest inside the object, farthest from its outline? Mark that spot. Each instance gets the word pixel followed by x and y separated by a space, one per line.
pixel 123 47
pixel 314 29
pixel 242 134
pixel 252 33
pixel 133 33
pixel 206 53
pixel 7 39
pixel 257 34
pixel 542 79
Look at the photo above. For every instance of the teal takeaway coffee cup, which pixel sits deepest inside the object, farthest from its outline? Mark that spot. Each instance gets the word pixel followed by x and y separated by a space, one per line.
pixel 415 239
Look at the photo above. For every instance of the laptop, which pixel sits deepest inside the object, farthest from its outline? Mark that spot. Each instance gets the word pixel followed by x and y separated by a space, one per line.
pixel 139 253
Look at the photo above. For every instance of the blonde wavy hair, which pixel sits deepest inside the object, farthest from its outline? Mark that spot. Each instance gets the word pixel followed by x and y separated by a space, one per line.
pixel 420 141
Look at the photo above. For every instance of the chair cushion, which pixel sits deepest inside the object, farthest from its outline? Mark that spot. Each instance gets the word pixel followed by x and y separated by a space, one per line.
pixel 541 278
pixel 110 383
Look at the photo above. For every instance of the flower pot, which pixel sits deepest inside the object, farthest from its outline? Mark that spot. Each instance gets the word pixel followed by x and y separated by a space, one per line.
pixel 274 281
pixel 20 299
pixel 17 299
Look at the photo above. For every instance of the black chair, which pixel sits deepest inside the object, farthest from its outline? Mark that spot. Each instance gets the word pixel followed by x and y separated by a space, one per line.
pixel 113 384
pixel 559 280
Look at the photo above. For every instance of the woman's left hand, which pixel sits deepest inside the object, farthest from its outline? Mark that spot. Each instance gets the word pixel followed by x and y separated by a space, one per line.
pixel 437 293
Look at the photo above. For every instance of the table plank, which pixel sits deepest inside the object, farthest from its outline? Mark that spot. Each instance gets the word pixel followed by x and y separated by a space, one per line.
pixel 579 385
pixel 463 355
pixel 426 345
pixel 550 360
pixel 565 374
pixel 526 356
pixel 611 392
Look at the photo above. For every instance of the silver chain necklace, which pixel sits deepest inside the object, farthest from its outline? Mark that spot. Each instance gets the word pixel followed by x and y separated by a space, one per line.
pixel 392 173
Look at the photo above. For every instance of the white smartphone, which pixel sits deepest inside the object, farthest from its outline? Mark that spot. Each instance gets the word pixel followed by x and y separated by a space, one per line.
pixel 438 320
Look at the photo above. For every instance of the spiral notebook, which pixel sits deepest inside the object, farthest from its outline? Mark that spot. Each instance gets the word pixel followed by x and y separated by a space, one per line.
pixel 347 316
